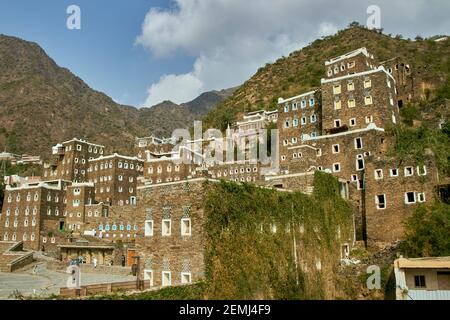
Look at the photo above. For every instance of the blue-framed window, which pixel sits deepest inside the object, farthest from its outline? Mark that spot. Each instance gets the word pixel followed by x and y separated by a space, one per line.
pixel 311 102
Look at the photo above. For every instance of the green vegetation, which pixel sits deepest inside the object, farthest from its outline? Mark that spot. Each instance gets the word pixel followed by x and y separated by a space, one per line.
pixel 428 232
pixel 246 259
pixel 191 292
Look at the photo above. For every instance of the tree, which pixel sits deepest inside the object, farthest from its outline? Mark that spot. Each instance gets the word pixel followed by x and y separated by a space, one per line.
pixel 428 232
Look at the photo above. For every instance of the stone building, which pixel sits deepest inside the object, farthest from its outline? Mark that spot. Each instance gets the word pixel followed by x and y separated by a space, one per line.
pixel 170 233
pixel 33 213
pixel 69 160
pixel 78 196
pixel 115 178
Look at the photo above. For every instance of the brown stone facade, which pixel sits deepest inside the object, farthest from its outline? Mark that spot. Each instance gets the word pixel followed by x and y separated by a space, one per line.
pixel 34 214
pixel 170 239
pixel 356 61
pixel 354 101
pixel 70 160
pixel 393 190
pixel 78 196
pixel 115 178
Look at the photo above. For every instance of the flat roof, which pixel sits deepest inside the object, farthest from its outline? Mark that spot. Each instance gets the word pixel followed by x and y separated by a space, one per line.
pixel 423 263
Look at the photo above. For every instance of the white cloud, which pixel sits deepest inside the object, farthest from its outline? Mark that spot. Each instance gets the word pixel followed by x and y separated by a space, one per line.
pixel 231 39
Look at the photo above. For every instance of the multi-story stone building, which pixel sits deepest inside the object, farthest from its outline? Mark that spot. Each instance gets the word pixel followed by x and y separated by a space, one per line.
pixel 78 196
pixel 70 160
pixel 115 178
pixel 34 213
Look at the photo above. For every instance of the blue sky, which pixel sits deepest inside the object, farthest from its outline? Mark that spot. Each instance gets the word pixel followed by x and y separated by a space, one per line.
pixel 103 52
pixel 141 52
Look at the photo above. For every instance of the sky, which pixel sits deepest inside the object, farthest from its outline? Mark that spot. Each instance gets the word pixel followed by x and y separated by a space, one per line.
pixel 142 52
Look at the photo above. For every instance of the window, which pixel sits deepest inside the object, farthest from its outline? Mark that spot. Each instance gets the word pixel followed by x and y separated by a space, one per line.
pixel 378 174
pixel 421 197
pixel 166 227
pixel 311 102
pixel 368 100
pixel 119 165
pixel 185 277
pixel 367 83
pixel 318 152
pixel 409 171
pixel 286 124
pixel 303 104
pixel 337 105
pixel 337 123
pixel 359 164
pixel 352 122
pixel 148 276
pixel 78 147
pixel 148 228
pixel 350 86
pixel 337 89
pixel 336 148
pixel 393 172
pixel 380 201
pixel 294 140
pixel 419 282
pixel 313 118
pixel 186 227
pixel 358 143
pixel 369 119
pixel 422 171
pixel 351 64
pixel 410 197
pixel 351 103
pixel 303 120
pixel 354 177
pixel 336 167
pixel 166 278
pixel 286 107
pixel 295 123
pixel 285 142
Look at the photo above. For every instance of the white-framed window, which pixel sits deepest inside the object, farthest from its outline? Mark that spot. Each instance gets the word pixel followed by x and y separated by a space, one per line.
pixel 294 106
pixel 294 140
pixel 351 103
pixel 312 102
pixel 369 119
pixel 148 276
pixel 166 228
pixel 421 197
pixel 286 107
pixel 367 83
pixel 421 170
pixel 336 167
pixel 283 158
pixel 337 89
pixel 295 122
pixel 393 172
pixel 285 142
pixel 378 173
pixel 166 278
pixel 313 118
pixel 148 228
pixel 354 177
pixel 336 148
pixel 360 164
pixel 380 201
pixel 287 123
pixel 337 123
pixel 76 191
pixel 358 143
pixel 337 105
pixel 409 171
pixel 303 104
pixel 368 100
pixel 33 237
pixel 303 120
pixel 352 122
pixel 78 147
pixel 410 197
pixel 350 86
pixel 119 165
pixel 318 152
pixel 186 277
pixel 186 227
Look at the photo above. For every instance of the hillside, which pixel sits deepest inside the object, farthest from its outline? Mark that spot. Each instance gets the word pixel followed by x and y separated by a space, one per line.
pixel 303 69
pixel 42 103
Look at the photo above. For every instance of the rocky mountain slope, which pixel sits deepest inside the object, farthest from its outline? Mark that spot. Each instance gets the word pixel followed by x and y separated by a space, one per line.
pixel 42 103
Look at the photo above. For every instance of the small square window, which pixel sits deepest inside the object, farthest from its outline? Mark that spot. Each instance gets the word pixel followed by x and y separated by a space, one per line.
pixel 422 170
pixel 354 177
pixel 378 174
pixel 186 277
pixel 368 100
pixel 337 105
pixel 351 103
pixel 394 172
pixel 419 282
pixel 409 171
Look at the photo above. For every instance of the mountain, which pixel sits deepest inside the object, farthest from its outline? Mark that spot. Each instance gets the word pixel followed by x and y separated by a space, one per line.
pixel 42 104
pixel 302 70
